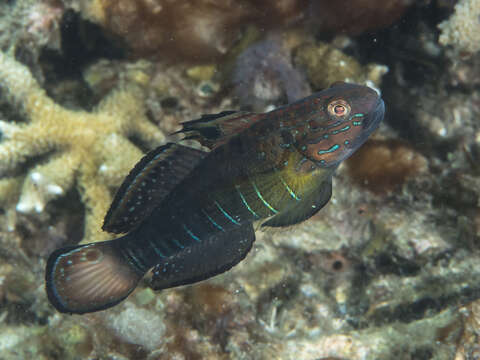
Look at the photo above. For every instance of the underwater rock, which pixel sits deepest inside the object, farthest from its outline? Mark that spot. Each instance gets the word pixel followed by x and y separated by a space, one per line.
pixel 464 332
pixel 205 30
pixel 194 31
pixel 356 16
pixel 138 326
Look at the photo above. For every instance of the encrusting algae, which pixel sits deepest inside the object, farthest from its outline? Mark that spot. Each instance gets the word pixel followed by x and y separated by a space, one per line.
pixel 88 150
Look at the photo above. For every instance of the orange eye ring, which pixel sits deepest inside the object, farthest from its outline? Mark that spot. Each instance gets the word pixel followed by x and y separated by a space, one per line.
pixel 339 108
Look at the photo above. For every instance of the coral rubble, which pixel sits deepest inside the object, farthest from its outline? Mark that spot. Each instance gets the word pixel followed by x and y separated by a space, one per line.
pixel 88 150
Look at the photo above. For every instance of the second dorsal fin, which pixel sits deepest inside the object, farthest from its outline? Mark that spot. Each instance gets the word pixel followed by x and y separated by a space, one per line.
pixel 213 130
pixel 148 183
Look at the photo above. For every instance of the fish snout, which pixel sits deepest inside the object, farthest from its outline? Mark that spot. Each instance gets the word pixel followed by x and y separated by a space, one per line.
pixel 375 117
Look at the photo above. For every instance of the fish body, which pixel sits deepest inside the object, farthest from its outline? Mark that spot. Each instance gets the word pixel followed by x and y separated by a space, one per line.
pixel 188 214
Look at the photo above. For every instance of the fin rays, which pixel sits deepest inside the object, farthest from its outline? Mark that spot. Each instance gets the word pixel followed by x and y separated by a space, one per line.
pixel 148 183
pixel 89 278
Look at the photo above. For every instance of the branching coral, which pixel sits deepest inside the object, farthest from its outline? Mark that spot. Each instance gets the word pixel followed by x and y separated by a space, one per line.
pixel 88 150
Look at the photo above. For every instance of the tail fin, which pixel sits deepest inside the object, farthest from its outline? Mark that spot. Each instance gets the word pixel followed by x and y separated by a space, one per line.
pixel 87 278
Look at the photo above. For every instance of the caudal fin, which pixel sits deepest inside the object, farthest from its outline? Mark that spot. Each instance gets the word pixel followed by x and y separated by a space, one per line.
pixel 87 278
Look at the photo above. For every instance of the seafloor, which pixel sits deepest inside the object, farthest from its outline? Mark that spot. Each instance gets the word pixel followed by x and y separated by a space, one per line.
pixel 389 269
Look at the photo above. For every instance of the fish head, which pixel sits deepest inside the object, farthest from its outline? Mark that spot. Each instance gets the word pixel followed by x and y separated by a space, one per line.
pixel 345 117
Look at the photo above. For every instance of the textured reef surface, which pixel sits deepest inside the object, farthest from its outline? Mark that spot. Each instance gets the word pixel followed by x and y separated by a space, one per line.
pixel 387 270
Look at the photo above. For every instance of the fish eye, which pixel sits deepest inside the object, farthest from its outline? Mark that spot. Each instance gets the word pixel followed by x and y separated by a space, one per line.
pixel 338 108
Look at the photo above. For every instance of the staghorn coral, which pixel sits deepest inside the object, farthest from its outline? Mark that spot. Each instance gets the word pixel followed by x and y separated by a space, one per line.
pixel 88 150
pixel 462 29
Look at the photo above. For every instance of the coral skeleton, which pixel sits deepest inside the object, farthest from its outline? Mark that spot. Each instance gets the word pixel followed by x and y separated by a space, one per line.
pixel 68 148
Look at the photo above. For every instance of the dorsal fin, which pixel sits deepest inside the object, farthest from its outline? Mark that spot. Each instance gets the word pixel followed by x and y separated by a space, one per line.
pixel 148 183
pixel 305 209
pixel 213 130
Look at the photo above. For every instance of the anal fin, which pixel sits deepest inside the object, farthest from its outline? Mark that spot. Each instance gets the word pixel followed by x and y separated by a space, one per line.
pixel 211 256
pixel 305 208
pixel 148 183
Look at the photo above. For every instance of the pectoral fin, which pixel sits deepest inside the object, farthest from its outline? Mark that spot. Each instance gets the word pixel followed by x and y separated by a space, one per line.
pixel 211 256
pixel 148 183
pixel 305 208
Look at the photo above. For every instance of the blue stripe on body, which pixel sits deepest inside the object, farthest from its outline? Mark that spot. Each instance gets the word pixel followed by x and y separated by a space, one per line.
pixel 289 189
pixel 245 202
pixel 134 260
pixel 176 242
pixel 212 221
pixel 192 235
pixel 226 214
pixel 151 243
pixel 263 200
